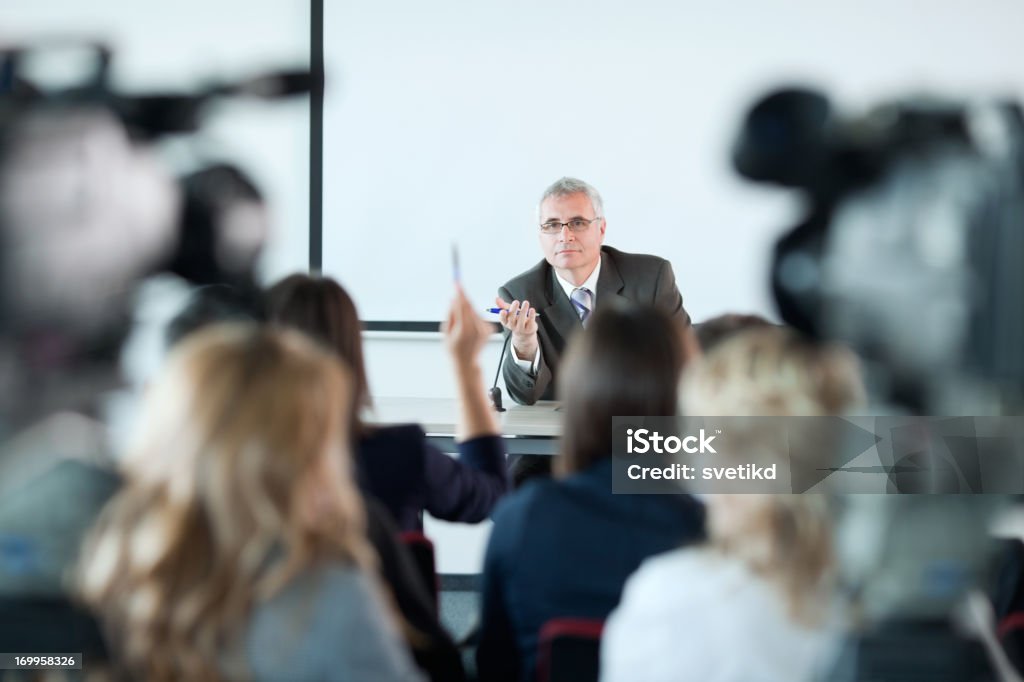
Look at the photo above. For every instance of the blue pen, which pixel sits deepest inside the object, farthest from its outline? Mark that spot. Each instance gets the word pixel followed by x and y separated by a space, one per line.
pixel 495 311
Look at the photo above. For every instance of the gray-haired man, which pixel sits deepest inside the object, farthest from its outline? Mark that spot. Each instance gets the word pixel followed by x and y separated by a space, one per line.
pixel 547 304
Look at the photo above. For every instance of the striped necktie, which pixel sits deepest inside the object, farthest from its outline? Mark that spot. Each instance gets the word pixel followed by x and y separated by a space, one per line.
pixel 583 302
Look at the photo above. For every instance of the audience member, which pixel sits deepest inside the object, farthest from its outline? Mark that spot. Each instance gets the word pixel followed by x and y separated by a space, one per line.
pixel 225 226
pixel 714 331
pixel 211 304
pixel 433 648
pixel 52 488
pixel 755 604
pixel 236 547
pixel 396 464
pixel 564 547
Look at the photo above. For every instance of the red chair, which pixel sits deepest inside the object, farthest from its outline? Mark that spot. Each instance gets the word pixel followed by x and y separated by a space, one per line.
pixel 422 550
pixel 1008 600
pixel 569 650
pixel 1011 636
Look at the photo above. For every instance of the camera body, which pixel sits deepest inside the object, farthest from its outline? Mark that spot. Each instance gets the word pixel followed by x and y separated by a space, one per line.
pixel 909 245
pixel 908 251
pixel 88 208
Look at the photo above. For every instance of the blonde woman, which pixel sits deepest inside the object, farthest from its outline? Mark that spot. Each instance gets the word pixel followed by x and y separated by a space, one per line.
pixel 754 604
pixel 236 548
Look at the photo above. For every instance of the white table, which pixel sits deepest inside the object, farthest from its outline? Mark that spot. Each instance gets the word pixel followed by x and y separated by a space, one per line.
pixel 527 430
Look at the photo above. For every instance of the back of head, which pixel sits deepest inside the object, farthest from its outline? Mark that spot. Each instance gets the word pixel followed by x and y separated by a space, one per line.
pixel 225 227
pixel 238 480
pixel 772 371
pixel 320 308
pixel 714 331
pixel 627 362
pixel 212 304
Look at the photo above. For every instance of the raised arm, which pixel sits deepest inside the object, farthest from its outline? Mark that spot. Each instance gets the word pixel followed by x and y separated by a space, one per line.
pixel 465 336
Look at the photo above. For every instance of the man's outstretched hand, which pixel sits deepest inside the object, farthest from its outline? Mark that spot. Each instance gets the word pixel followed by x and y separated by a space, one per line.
pixel 521 320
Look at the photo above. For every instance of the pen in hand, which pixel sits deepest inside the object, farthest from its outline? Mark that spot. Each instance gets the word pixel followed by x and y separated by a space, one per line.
pixel 496 311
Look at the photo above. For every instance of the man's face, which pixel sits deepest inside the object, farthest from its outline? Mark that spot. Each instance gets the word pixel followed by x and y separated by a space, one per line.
pixel 572 254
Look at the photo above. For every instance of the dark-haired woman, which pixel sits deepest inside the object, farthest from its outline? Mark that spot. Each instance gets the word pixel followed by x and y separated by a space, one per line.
pixel 396 464
pixel 564 547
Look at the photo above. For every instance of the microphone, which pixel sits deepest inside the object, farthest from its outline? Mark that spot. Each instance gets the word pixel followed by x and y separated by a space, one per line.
pixel 274 85
pixel 495 392
pixel 147 115
pixel 155 114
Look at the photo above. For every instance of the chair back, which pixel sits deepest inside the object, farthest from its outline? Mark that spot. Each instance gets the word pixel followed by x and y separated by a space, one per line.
pixel 48 625
pixel 422 550
pixel 1008 600
pixel 569 650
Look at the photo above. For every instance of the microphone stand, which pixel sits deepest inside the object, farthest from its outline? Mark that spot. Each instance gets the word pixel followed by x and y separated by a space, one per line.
pixel 495 392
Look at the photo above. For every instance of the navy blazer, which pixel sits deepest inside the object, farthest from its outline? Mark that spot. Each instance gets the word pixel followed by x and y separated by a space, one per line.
pixel 399 467
pixel 564 549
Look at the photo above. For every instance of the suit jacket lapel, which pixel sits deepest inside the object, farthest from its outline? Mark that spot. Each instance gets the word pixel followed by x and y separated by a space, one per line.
pixel 560 313
pixel 609 282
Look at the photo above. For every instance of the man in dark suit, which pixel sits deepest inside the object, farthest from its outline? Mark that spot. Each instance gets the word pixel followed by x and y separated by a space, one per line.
pixel 543 307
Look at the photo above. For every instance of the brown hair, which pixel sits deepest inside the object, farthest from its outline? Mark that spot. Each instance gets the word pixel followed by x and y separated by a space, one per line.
pixel 714 331
pixel 322 309
pixel 239 480
pixel 627 362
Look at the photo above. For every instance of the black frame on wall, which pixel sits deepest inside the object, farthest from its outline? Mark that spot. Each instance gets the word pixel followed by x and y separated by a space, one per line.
pixel 316 168
pixel 316 136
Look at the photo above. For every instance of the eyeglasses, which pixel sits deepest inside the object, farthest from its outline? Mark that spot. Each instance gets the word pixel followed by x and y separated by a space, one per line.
pixel 574 225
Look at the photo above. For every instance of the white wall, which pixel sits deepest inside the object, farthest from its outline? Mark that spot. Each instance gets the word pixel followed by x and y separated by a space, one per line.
pixel 415 364
pixel 445 120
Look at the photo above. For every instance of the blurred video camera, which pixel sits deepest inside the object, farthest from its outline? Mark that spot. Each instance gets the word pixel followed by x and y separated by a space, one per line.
pixel 908 252
pixel 87 209
pixel 910 246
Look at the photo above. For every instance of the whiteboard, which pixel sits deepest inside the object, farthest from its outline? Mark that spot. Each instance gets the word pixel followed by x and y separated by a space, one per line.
pixel 444 122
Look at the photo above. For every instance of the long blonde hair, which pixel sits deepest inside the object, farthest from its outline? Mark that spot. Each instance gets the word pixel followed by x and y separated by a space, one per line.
pixel 238 481
pixel 772 371
pixel 775 372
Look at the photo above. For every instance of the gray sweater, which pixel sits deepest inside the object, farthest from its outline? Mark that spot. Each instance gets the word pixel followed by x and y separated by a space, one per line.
pixel 327 625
